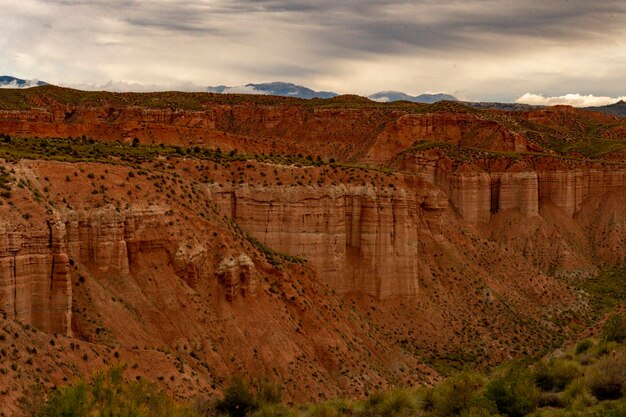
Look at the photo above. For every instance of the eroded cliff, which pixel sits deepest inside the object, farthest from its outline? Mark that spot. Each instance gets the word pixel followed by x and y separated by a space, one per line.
pixel 441 233
pixel 360 239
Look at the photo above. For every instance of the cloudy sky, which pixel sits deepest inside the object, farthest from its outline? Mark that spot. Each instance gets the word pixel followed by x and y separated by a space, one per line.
pixel 536 50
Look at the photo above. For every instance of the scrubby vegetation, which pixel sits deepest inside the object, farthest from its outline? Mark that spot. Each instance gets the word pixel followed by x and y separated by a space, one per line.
pixel 108 395
pixel 89 150
pixel 470 154
pixel 605 291
pixel 588 379
pixel 13 99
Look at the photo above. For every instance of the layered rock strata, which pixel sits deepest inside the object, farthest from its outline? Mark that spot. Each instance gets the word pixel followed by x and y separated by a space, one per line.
pixel 36 262
pixel 35 283
pixel 477 193
pixel 359 238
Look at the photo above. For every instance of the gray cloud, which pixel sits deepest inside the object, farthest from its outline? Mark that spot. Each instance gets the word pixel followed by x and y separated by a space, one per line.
pixel 491 49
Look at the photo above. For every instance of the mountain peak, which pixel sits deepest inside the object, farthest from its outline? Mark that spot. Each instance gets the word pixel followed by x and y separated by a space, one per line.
pixel 616 109
pixel 7 81
pixel 275 88
pixel 389 96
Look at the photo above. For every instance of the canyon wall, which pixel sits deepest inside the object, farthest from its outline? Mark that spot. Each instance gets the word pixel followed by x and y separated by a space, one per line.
pixel 368 135
pixel 478 192
pixel 456 129
pixel 360 239
pixel 36 262
pixel 35 284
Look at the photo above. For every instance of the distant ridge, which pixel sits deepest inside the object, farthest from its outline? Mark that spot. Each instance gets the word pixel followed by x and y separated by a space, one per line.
pixel 390 96
pixel 276 88
pixel 617 109
pixel 501 106
pixel 7 81
pixel 285 89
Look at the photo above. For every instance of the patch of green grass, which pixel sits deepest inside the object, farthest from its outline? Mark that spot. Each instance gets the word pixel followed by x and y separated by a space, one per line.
pixel 109 395
pixel 89 150
pixel 6 179
pixel 594 149
pixel 471 154
pixel 606 291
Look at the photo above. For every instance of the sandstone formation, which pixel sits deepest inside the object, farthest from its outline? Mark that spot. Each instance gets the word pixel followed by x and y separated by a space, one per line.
pixel 440 232
pixel 360 239
pixel 462 130
pixel 478 192
pixel 239 276
pixel 35 285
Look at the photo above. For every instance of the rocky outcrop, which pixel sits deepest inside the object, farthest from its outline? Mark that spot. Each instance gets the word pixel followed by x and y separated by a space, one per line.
pixel 35 262
pixel 364 134
pixel 35 281
pixel 238 275
pixel 568 189
pixel 359 239
pixel 477 192
pixel 457 129
pixel 519 191
pixel 470 193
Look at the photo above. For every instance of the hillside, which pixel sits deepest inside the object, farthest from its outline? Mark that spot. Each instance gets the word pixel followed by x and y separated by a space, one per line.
pixel 617 109
pixel 340 245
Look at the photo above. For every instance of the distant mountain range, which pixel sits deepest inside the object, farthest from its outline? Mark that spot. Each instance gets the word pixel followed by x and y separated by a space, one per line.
pixel 274 89
pixel 617 109
pixel 293 90
pixel 389 96
pixel 7 81
pixel 501 106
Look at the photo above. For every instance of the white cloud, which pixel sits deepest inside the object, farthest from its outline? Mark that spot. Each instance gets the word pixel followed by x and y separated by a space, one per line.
pixel 15 84
pixel 121 86
pixel 575 100
pixel 243 89
pixel 490 50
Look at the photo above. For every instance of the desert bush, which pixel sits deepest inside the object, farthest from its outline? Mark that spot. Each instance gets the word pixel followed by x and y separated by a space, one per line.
pixel 109 395
pixel 550 399
pixel 615 329
pixel 514 392
pixel 607 377
pixel 268 392
pixel 459 395
pixel 323 410
pixel 583 346
pixel 394 403
pixel 238 399
pixel 274 410
pixel 578 395
pixel 556 375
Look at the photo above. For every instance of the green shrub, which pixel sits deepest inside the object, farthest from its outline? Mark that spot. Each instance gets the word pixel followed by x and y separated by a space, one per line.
pixel 607 377
pixel 583 346
pixel 267 392
pixel 238 399
pixel 514 393
pixel 274 410
pixel 578 395
pixel 109 395
pixel 394 403
pixel 458 395
pixel 556 375
pixel 615 329
pixel 323 410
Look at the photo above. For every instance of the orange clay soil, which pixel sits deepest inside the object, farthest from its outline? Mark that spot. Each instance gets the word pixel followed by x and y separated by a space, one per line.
pixel 335 280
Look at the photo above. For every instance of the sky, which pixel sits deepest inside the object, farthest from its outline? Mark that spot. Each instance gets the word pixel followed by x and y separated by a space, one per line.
pixel 536 51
